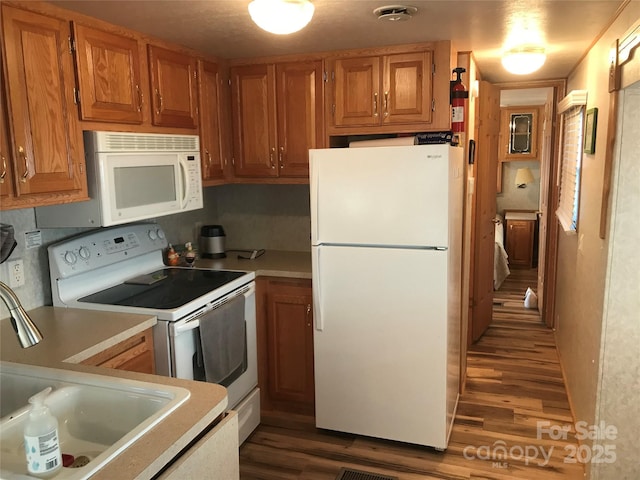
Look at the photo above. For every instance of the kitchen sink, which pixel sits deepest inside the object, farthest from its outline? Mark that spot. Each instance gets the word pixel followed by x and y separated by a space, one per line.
pixel 98 415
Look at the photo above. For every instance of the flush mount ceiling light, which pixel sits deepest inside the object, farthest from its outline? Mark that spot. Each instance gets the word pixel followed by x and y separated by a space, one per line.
pixel 281 16
pixel 523 59
pixel 395 13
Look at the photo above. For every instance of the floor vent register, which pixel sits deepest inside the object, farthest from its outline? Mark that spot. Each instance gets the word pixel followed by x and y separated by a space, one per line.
pixel 349 474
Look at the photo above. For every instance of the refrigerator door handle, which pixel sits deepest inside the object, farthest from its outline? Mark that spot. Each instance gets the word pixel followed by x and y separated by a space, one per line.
pixel 316 197
pixel 317 292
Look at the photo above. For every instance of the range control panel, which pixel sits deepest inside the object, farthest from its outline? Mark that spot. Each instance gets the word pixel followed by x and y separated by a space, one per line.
pixel 104 247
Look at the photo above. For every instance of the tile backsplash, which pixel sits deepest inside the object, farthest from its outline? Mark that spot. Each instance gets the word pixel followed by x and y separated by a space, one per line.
pixel 273 217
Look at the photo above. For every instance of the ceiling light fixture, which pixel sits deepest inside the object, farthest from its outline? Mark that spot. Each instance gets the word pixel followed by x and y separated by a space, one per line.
pixel 523 59
pixel 395 13
pixel 281 16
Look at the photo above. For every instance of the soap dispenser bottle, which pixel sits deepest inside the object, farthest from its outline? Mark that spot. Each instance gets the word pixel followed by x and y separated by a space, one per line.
pixel 41 440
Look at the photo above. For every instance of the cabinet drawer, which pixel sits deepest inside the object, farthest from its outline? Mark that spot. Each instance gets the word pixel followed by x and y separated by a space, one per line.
pixel 134 354
pixel 215 456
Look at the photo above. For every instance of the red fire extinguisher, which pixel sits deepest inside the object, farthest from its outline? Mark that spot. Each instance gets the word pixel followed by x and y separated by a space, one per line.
pixel 458 95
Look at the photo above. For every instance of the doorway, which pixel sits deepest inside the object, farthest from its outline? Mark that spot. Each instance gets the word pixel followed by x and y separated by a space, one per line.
pixel 541 196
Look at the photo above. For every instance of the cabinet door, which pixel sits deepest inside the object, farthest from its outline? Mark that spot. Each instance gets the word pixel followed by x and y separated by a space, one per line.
pixel 209 98
pixel 518 133
pixel 47 140
pixel 254 121
pixel 520 242
pixel 290 346
pixel 300 119
pixel 109 76
pixel 6 189
pixel 407 95
pixel 357 91
pixel 173 88
pixel 215 455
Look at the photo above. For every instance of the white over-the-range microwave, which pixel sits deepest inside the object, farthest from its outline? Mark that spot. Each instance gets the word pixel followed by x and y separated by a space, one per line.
pixel 132 177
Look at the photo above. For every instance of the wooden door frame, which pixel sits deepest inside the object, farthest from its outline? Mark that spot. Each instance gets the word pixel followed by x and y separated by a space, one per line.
pixel 559 88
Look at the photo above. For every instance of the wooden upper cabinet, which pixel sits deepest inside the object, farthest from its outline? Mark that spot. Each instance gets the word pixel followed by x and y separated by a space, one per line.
pixel 47 139
pixel 407 92
pixel 210 139
pixel 6 174
pixel 300 115
pixel 173 88
pixel 357 91
pixel 383 90
pixel 254 120
pixel 109 75
pixel 277 118
pixel 519 133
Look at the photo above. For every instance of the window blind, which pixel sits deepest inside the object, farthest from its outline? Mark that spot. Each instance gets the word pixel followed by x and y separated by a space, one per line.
pixel 571 160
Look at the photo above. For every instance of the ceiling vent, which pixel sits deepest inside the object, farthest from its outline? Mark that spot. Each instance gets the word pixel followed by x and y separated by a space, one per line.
pixel 395 13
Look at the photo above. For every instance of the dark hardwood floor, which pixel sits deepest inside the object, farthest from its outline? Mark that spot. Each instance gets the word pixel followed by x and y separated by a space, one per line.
pixel 513 382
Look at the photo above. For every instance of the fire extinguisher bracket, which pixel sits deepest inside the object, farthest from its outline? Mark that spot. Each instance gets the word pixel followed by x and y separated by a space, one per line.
pixel 456 94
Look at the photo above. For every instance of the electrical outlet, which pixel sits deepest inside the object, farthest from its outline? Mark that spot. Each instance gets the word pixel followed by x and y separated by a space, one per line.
pixel 16 273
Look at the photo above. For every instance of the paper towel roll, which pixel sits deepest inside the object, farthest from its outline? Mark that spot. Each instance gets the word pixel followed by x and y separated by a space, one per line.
pixel 384 142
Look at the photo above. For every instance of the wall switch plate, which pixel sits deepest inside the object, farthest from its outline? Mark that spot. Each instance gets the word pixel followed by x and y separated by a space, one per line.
pixel 16 273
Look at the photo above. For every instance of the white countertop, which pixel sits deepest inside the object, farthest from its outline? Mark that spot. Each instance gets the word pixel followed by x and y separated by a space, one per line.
pixel 520 215
pixel 274 263
pixel 73 335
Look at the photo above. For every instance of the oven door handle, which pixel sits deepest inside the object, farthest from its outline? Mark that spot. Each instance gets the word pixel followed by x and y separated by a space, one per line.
pixel 190 325
pixel 194 322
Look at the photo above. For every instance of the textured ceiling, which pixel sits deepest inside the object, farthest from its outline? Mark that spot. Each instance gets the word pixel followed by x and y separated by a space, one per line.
pixel 223 27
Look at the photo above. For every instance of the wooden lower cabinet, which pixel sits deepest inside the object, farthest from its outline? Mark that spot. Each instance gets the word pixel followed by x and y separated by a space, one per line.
pixel 285 345
pixel 520 242
pixel 134 354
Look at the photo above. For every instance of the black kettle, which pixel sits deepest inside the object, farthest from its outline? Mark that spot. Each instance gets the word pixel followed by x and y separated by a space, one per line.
pixel 212 241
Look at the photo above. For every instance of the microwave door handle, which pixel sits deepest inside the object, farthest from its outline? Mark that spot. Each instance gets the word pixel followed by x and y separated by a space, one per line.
pixel 184 175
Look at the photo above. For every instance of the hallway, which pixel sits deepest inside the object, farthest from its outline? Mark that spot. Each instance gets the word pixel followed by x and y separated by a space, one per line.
pixel 513 381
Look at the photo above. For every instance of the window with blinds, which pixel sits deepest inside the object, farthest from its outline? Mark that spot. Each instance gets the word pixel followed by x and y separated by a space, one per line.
pixel 572 108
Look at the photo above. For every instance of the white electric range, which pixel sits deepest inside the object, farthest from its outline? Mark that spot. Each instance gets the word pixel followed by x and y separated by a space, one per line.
pixel 121 269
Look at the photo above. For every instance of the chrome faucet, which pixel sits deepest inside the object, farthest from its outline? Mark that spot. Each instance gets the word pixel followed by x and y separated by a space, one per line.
pixel 27 332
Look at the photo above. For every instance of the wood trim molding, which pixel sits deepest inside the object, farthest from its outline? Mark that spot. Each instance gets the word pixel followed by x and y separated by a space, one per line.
pixel 573 98
pixel 623 71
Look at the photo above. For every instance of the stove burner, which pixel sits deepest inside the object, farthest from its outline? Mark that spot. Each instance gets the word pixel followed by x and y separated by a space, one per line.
pixel 179 287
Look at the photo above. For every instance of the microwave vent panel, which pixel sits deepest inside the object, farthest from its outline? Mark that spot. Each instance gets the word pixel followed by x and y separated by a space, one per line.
pixel 145 142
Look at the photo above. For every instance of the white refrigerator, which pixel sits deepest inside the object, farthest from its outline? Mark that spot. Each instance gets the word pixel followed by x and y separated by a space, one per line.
pixel 386 236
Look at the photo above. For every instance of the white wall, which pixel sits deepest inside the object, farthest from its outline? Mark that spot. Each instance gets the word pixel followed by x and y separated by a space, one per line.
pixel 514 198
pixel 619 381
pixel 582 258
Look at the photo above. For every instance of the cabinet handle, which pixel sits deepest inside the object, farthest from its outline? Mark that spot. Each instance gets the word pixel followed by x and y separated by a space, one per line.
pixel 281 158
pixel 159 97
pixel 24 176
pixel 206 152
pixel 386 104
pixel 273 150
pixel 139 98
pixel 308 312
pixel 4 169
pixel 375 104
